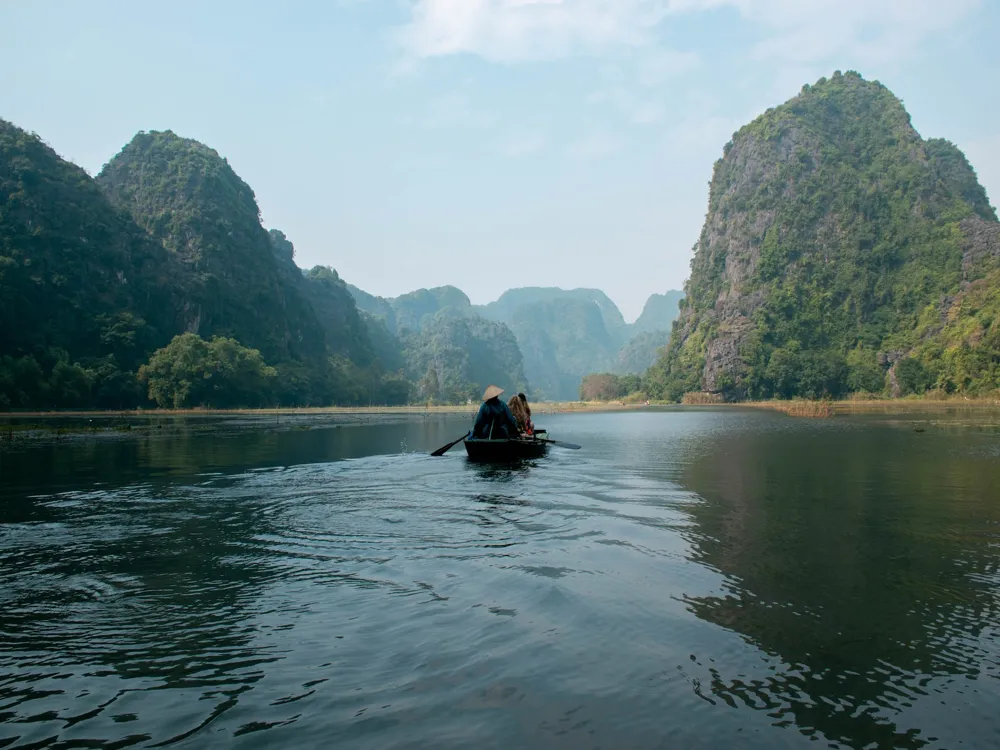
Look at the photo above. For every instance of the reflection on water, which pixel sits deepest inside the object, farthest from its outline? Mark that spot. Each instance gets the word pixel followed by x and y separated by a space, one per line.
pixel 864 559
pixel 692 578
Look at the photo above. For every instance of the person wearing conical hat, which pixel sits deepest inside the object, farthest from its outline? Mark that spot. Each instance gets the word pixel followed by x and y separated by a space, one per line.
pixel 494 420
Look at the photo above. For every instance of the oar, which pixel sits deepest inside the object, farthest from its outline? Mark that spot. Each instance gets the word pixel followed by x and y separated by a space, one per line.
pixel 561 444
pixel 445 449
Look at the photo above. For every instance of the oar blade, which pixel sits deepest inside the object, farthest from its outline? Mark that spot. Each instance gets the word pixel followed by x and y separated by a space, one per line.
pixel 562 444
pixel 444 449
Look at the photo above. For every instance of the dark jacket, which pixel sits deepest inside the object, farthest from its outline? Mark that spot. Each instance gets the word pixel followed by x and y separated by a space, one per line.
pixel 495 421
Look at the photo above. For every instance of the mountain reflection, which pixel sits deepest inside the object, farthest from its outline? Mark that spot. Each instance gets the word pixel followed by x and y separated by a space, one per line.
pixel 871 578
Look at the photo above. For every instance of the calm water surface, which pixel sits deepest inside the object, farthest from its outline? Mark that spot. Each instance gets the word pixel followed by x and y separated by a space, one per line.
pixel 691 579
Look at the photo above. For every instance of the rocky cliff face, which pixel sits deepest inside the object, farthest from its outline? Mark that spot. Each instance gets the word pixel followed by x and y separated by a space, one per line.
pixel 187 197
pixel 832 228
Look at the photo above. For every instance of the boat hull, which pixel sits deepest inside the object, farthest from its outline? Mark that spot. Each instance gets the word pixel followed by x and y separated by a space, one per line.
pixel 504 451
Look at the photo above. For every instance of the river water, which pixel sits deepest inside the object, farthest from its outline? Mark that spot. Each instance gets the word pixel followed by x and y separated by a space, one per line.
pixel 690 579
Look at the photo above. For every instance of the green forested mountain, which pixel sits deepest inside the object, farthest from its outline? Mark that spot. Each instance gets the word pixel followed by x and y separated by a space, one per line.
pixel 841 252
pixel 386 346
pixel 640 353
pixel 649 334
pixel 345 332
pixel 659 313
pixel 417 309
pixel 507 306
pixel 97 277
pixel 562 334
pixel 567 334
pixel 188 198
pixel 377 307
pixel 85 295
pixel 445 349
pixel 414 309
pixel 454 357
pixel 562 341
pixel 240 281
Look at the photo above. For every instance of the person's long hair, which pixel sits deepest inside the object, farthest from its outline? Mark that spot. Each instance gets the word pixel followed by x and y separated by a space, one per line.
pixel 524 400
pixel 519 408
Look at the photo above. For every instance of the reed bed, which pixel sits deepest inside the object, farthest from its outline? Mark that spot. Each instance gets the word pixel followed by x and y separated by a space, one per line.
pixel 700 398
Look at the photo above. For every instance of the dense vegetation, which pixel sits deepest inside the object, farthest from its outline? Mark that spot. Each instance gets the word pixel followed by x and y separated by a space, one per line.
pixel 641 353
pixel 84 293
pixel 841 253
pixel 156 284
pixel 218 373
pixel 191 201
pixel 99 279
pixel 610 387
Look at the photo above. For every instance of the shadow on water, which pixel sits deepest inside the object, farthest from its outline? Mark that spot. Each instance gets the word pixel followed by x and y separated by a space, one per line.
pixel 865 561
pixel 501 473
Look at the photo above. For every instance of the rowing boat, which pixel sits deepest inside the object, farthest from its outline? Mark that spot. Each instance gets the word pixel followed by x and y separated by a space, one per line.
pixel 505 450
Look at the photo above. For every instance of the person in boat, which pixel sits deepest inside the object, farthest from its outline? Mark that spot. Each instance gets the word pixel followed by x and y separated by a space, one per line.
pixel 522 413
pixel 494 420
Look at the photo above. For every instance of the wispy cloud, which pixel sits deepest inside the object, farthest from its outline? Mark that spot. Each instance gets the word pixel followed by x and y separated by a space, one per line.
pixel 870 31
pixel 521 30
pixel 801 31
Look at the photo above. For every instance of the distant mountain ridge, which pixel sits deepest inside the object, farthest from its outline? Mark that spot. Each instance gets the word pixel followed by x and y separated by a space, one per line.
pixel 660 312
pixel 563 334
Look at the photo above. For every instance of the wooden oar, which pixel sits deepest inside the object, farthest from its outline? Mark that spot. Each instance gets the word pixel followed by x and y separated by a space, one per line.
pixel 445 449
pixel 561 444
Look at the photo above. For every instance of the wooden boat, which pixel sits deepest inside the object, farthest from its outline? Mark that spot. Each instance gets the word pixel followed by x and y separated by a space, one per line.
pixel 505 451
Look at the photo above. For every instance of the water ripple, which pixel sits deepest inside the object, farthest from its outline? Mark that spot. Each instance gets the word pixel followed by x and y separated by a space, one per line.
pixel 694 580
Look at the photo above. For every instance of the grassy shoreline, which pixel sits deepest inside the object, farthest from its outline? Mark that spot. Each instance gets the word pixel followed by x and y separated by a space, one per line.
pixel 794 406
pixel 821 409
pixel 18 428
pixel 537 408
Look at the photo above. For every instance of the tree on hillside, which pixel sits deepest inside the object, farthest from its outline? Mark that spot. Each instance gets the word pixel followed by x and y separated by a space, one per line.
pixel 220 373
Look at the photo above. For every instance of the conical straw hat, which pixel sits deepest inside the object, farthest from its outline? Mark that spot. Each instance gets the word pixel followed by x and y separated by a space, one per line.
pixel 492 392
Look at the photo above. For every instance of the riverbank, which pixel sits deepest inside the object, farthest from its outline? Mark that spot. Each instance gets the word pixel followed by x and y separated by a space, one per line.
pixel 555 407
pixel 18 427
pixel 825 409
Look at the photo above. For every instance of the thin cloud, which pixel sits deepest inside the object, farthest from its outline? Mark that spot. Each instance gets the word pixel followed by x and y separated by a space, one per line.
pixel 523 30
pixel 870 31
pixel 799 31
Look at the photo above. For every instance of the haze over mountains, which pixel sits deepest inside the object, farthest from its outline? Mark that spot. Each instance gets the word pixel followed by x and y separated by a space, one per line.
pixel 841 253
pixel 562 334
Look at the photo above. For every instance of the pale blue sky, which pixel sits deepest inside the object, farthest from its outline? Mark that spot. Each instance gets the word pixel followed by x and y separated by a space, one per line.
pixel 413 143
